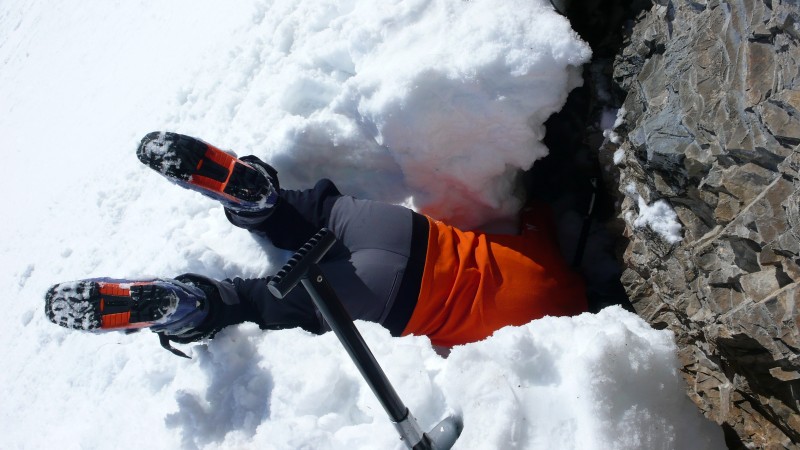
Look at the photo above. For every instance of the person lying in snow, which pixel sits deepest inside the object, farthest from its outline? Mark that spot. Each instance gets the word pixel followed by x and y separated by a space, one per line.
pixel 408 272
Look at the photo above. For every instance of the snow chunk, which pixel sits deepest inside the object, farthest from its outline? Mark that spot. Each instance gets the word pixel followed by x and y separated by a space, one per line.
pixel 591 382
pixel 620 117
pixel 619 156
pixel 612 136
pixel 609 120
pixel 442 101
pixel 661 218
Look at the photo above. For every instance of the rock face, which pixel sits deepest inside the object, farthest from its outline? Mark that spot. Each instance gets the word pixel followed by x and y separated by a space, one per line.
pixel 711 125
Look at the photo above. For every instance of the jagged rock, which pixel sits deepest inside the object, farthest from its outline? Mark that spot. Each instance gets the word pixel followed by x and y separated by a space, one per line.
pixel 711 124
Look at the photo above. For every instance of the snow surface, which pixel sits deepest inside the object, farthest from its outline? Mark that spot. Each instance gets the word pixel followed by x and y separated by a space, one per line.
pixel 432 103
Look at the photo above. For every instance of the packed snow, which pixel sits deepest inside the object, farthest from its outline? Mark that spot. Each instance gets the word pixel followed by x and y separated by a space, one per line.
pixel 657 216
pixel 661 218
pixel 434 103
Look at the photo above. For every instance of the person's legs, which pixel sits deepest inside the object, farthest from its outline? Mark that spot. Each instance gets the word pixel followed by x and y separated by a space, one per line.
pixel 368 267
pixel 386 246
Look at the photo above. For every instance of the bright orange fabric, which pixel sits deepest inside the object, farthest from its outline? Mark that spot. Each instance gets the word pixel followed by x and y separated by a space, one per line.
pixel 476 283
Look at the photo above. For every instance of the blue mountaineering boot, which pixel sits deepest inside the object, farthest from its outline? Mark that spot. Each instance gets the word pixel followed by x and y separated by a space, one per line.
pixel 173 309
pixel 239 185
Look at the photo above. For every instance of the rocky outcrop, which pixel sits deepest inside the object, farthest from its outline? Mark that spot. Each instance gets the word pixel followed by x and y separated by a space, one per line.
pixel 711 125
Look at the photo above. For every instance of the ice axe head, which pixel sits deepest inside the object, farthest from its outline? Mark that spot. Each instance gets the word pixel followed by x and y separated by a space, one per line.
pixel 443 436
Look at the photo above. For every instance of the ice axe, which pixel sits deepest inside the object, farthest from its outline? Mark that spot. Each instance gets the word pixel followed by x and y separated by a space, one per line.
pixel 303 268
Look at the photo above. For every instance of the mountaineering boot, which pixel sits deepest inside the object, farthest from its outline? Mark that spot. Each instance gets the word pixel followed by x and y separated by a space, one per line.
pixel 166 306
pixel 239 185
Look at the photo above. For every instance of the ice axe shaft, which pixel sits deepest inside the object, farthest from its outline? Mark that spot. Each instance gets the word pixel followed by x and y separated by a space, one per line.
pixel 303 268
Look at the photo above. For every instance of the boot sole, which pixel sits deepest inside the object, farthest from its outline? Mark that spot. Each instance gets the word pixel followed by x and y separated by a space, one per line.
pixel 201 167
pixel 99 305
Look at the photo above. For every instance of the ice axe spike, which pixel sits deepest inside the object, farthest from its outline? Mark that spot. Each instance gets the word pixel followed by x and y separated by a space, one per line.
pixel 302 267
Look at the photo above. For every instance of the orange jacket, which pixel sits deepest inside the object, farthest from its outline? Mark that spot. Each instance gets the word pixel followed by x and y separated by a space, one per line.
pixel 475 283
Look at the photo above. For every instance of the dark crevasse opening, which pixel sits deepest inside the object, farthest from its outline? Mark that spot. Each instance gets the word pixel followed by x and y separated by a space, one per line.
pixel 571 177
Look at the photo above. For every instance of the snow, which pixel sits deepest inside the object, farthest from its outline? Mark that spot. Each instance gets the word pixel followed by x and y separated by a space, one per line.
pixel 435 104
pixel 610 119
pixel 612 136
pixel 661 218
pixel 658 216
pixel 619 156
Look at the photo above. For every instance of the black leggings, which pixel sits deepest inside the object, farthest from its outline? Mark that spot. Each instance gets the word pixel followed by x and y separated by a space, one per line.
pixel 367 267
